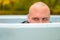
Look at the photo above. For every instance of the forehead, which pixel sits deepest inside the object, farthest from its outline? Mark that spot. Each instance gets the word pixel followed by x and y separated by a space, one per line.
pixel 39 15
pixel 39 12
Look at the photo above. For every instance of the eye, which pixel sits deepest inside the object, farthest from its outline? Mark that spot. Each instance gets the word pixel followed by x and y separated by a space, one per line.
pixel 35 19
pixel 45 19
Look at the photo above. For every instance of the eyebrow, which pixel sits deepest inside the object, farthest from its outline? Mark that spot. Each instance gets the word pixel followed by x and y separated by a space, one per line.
pixel 38 17
pixel 45 17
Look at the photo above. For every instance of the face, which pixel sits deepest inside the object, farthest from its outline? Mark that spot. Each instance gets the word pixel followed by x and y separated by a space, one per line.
pixel 37 16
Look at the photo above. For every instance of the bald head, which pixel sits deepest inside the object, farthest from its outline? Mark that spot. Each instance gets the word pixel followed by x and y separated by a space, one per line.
pixel 39 11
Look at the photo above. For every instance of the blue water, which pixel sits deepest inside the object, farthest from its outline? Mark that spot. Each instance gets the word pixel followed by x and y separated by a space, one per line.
pixel 19 20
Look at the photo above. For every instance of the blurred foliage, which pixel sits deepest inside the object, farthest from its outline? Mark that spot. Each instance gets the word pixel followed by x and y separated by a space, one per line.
pixel 20 7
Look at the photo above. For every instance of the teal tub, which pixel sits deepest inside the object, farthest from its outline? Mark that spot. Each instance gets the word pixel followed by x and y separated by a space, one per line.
pixel 18 31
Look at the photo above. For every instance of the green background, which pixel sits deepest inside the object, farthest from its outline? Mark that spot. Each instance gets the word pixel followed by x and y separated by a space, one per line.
pixel 21 7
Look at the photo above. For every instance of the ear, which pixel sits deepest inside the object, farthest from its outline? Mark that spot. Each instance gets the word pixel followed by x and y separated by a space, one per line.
pixel 28 18
pixel 28 15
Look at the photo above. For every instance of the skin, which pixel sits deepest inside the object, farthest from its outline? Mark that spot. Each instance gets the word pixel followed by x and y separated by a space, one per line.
pixel 39 13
